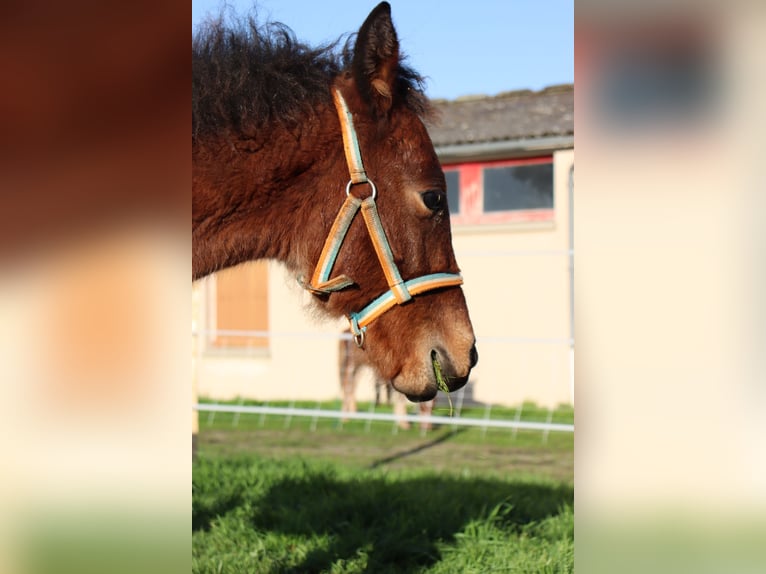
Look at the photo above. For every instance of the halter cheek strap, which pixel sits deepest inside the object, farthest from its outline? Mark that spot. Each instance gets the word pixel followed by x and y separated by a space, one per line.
pixel 400 291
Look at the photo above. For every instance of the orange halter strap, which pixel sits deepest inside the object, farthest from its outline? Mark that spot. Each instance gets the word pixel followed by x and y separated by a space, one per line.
pixel 400 291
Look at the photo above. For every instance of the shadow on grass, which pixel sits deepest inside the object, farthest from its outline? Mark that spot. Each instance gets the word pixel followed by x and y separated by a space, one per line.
pixel 203 513
pixel 397 519
pixel 415 450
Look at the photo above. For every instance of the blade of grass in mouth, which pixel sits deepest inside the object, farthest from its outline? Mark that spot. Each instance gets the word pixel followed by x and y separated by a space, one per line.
pixel 441 381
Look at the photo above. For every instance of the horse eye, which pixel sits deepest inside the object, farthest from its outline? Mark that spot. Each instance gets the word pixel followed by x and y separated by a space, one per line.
pixel 434 200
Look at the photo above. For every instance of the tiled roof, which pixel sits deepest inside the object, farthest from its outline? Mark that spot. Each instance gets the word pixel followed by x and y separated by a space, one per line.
pixel 507 116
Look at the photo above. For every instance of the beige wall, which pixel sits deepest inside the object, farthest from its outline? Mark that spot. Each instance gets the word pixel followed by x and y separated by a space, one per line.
pixel 518 303
pixel 301 359
pixel 523 295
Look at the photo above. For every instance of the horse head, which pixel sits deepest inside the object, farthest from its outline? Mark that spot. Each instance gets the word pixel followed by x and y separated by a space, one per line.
pixel 421 329
pixel 322 161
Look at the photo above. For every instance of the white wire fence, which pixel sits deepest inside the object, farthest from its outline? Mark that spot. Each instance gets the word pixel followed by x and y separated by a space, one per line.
pixel 319 413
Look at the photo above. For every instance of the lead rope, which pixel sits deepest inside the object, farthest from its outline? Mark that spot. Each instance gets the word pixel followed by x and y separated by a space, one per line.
pixel 399 291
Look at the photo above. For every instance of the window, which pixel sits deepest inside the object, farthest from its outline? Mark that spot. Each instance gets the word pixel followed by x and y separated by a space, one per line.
pixel 518 187
pixel 453 190
pixel 239 302
pixel 498 192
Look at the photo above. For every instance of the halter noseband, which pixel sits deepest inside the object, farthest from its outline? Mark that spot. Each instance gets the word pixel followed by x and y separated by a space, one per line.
pixel 400 291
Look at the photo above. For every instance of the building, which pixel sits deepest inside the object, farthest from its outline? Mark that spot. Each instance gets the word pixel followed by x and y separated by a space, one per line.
pixel 509 163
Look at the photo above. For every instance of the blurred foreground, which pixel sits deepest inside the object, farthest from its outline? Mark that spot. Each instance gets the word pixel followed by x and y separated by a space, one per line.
pixel 94 289
pixel 671 472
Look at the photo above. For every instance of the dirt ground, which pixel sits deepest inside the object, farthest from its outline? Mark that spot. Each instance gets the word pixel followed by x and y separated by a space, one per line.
pixel 461 451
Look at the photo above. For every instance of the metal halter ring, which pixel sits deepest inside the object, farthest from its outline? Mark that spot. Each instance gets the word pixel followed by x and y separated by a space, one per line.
pixel 372 185
pixel 356 331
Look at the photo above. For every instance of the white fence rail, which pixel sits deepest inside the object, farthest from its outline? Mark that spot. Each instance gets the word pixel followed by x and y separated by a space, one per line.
pixel 371 416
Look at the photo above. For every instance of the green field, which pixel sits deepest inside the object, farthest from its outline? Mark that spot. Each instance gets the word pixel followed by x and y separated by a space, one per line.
pixel 277 495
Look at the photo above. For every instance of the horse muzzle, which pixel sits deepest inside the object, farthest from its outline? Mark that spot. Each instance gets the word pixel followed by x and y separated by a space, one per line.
pixel 453 377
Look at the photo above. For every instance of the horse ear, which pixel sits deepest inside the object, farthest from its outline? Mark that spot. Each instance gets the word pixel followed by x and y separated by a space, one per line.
pixel 375 62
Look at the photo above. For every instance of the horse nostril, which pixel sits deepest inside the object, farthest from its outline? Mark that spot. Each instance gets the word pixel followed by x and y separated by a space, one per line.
pixel 474 356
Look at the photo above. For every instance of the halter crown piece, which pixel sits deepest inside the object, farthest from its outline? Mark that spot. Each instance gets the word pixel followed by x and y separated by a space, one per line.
pixel 400 291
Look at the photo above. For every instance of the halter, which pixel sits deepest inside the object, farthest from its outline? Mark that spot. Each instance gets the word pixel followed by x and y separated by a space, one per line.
pixel 400 291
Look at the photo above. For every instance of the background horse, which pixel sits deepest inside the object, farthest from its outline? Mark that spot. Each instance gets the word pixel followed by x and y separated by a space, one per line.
pixel 278 128
pixel 351 359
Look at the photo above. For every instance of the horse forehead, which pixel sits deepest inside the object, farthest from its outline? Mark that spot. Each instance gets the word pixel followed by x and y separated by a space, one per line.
pixel 410 141
pixel 409 127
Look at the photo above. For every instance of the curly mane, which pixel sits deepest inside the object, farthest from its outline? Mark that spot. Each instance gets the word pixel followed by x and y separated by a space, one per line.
pixel 245 75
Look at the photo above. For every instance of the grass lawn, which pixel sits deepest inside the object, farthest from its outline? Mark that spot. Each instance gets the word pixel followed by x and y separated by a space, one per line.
pixel 271 495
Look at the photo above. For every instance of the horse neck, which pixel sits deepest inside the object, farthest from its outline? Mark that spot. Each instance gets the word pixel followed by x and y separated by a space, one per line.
pixel 258 198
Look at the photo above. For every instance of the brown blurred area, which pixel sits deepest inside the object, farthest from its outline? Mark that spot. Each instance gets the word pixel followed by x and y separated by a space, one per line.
pixel 95 175
pixel 93 110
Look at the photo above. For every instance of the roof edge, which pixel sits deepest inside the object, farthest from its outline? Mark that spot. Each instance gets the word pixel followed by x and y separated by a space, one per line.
pixel 485 151
pixel 565 88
